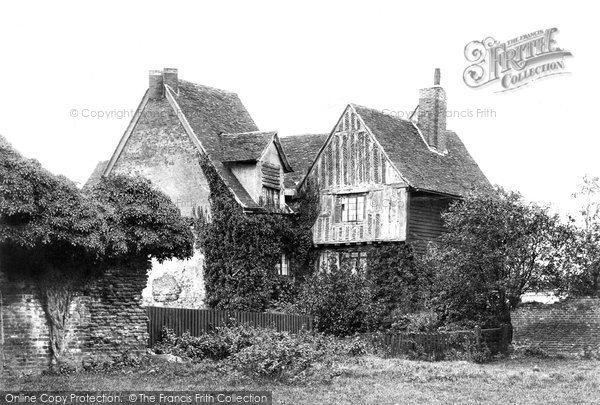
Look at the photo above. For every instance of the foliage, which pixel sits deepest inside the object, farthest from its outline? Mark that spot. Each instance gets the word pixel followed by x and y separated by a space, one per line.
pixel 585 280
pixel 259 352
pixel 422 321
pixel 497 247
pixel 242 251
pixel 341 301
pixel 400 284
pixel 139 220
pixel 61 237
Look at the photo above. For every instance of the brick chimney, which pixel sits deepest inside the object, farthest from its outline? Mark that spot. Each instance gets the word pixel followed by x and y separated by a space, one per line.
pixel 170 79
pixel 156 86
pixel 431 117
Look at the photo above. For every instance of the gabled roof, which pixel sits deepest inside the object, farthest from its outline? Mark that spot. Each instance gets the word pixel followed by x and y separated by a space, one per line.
pixel 250 147
pixel 206 114
pixel 454 173
pixel 301 151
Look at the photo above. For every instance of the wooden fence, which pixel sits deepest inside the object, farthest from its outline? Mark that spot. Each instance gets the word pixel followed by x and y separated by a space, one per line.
pixel 398 344
pixel 197 321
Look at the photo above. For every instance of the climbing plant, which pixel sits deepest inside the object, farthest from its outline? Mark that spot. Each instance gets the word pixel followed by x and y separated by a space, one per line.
pixel 242 251
pixel 61 238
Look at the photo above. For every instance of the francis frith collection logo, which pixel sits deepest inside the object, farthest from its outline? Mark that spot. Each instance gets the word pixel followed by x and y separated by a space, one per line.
pixel 514 63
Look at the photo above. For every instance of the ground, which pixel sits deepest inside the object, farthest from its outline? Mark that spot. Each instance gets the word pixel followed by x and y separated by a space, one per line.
pixel 365 380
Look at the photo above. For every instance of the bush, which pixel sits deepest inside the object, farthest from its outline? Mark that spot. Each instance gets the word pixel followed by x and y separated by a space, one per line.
pixel 341 302
pixel 424 321
pixel 261 352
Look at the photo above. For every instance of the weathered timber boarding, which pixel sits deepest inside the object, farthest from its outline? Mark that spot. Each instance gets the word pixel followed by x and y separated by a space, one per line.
pixel 425 218
pixel 198 321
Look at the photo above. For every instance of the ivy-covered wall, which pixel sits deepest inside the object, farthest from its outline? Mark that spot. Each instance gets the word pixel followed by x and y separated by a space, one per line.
pixel 242 250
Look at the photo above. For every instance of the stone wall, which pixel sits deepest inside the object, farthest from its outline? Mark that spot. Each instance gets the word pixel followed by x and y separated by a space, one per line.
pixel 571 327
pixel 105 321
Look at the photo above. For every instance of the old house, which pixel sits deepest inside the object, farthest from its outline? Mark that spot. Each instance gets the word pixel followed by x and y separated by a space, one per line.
pixel 383 179
pixel 177 123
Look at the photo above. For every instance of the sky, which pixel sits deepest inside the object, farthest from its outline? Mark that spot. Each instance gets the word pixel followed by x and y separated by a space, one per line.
pixel 296 65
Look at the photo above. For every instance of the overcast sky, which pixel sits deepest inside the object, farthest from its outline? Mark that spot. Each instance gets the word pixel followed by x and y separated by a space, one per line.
pixel 295 66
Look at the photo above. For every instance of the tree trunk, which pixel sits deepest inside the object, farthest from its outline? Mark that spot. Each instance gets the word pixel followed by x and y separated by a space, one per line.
pixel 57 294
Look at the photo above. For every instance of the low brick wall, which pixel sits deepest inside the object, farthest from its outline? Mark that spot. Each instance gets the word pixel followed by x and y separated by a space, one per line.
pixel 105 321
pixel 571 327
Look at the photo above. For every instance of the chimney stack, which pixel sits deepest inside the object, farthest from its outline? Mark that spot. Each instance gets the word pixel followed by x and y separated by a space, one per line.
pixel 432 114
pixel 171 80
pixel 156 84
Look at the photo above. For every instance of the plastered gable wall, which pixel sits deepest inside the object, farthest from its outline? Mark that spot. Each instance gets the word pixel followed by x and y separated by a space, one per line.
pixel 160 150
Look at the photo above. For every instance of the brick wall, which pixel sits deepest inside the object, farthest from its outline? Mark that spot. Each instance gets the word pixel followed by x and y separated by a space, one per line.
pixel 571 327
pixel 105 321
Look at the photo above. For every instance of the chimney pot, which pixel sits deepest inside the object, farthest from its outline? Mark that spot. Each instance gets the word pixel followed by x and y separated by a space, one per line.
pixel 436 77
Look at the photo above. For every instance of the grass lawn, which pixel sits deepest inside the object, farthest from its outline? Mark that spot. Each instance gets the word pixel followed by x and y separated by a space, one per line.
pixel 365 380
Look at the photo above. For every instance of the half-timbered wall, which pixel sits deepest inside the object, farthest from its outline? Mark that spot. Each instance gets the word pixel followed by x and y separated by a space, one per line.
pixel 352 165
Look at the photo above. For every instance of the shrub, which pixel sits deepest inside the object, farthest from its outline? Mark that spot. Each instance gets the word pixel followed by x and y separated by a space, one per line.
pixel 341 302
pixel 424 321
pixel 261 352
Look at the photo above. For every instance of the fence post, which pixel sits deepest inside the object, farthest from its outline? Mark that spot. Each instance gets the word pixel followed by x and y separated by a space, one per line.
pixel 478 336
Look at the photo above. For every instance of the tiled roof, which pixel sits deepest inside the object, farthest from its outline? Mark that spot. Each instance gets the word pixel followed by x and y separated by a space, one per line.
pixel 301 151
pixel 244 147
pixel 211 112
pixel 454 173
pixel 96 174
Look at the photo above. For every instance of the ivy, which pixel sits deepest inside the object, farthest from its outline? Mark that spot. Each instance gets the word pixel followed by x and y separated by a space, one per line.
pixel 242 251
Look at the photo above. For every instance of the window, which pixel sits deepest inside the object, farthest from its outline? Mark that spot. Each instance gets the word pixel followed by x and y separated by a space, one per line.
pixel 283 267
pixel 270 196
pixel 351 208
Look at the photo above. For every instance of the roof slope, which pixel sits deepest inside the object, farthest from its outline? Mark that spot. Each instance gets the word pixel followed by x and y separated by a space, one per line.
pixel 244 147
pixel 301 151
pixel 211 112
pixel 454 173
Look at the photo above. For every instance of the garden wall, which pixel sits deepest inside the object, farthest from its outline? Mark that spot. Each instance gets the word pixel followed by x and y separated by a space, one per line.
pixel 105 321
pixel 571 327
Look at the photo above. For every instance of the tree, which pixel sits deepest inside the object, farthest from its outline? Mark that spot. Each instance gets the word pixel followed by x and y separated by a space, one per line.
pixel 586 279
pixel 496 248
pixel 61 238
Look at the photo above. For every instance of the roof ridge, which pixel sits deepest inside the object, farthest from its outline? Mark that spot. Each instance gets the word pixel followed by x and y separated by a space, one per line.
pixel 381 112
pixel 216 89
pixel 248 133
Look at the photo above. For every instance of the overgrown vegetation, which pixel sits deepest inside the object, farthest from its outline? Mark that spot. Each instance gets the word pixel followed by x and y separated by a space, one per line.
pixel 496 248
pixel 260 352
pixel 61 237
pixel 242 251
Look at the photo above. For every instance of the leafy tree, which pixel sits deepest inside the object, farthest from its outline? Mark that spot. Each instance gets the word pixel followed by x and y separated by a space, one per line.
pixel 61 238
pixel 586 279
pixel 496 248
